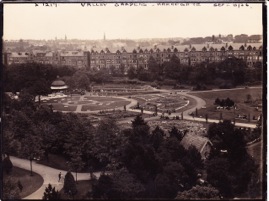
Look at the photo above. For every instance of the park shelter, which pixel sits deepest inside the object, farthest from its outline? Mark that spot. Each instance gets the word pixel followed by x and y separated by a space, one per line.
pixel 202 144
pixel 58 85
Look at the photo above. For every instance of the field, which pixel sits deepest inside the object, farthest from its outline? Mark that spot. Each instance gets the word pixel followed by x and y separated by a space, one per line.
pixel 239 96
pixel 30 183
pixel 104 104
pixel 61 107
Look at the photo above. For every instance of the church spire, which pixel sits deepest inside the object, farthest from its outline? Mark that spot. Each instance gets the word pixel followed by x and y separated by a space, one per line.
pixel 104 36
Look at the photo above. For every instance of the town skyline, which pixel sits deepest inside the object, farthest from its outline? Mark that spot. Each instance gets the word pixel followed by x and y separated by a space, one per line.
pixel 135 39
pixel 25 21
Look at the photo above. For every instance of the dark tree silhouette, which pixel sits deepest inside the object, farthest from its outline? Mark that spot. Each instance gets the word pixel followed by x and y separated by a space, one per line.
pixel 70 187
pixel 174 132
pixel 7 165
pixel 51 194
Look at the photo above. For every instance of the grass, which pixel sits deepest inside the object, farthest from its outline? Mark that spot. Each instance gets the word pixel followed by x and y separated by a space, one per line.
pixel 83 188
pixel 101 99
pixel 61 107
pixel 30 183
pixel 112 105
pixel 62 100
pixel 238 96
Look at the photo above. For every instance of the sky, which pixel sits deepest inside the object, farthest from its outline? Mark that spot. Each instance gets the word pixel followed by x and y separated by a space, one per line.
pixel 28 21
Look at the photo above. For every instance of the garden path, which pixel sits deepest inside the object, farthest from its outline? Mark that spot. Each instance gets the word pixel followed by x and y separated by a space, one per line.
pixel 50 175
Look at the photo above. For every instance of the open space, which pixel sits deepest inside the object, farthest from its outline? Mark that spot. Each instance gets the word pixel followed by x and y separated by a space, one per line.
pixel 239 96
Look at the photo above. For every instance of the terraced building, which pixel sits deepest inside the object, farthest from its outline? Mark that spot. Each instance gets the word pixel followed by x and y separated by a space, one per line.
pixel 126 57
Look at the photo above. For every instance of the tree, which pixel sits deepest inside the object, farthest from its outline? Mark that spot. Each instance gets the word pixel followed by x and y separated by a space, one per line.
pixel 7 165
pixel 232 173
pixel 126 186
pixel 218 175
pixel 217 101
pixel 131 73
pixel 51 194
pixel 156 137
pixel 140 130
pixel 32 147
pixel 81 80
pixel 172 68
pixel 199 192
pixel 106 141
pixel 171 180
pixel 102 188
pixel 76 162
pixel 70 187
pixel 174 132
pixel 38 88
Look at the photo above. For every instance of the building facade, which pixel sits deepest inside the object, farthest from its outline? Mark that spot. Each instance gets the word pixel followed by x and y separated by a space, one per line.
pixel 189 55
pixel 77 59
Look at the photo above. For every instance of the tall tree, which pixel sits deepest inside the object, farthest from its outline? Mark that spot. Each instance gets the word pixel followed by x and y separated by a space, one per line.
pixel 70 185
pixel 174 132
pixel 156 137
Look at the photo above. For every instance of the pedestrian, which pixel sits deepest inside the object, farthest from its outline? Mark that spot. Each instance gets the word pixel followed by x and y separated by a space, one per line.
pixel 60 176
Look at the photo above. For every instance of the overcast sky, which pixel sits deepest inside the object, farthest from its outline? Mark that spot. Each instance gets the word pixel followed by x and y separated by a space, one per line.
pixel 25 21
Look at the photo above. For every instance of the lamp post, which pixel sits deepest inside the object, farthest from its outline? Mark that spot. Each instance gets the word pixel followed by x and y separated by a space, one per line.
pixel 31 160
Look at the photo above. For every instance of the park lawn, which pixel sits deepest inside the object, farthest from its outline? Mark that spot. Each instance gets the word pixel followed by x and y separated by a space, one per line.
pixel 101 98
pixel 112 105
pixel 83 188
pixel 238 96
pixel 62 100
pixel 60 107
pixel 30 183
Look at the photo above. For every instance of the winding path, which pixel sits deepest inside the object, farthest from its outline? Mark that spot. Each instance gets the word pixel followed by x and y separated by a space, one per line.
pixel 50 175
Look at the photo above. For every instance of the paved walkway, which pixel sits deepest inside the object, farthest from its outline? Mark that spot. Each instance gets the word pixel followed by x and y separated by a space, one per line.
pixel 50 175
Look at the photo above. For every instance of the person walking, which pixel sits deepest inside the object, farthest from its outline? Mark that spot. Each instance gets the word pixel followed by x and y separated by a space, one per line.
pixel 60 176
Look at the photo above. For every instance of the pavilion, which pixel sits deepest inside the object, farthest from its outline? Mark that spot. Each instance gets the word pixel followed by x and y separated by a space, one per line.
pixel 58 86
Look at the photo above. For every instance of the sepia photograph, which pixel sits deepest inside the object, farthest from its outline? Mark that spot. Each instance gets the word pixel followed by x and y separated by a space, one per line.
pixel 134 100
